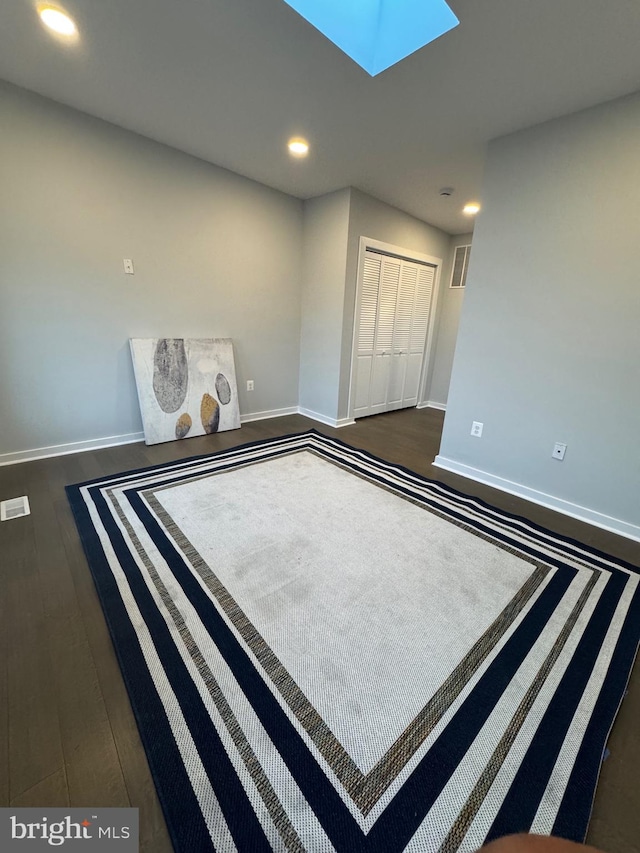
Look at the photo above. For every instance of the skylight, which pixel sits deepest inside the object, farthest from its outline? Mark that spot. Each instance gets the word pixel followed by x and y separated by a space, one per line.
pixel 378 33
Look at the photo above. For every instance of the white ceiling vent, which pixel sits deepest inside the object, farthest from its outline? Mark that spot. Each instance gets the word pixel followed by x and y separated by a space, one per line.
pixel 14 508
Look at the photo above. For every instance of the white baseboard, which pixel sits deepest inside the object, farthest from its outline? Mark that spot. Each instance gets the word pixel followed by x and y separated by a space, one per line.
pixel 297 410
pixel 325 419
pixel 270 413
pixel 73 447
pixel 130 438
pixel 431 404
pixel 590 516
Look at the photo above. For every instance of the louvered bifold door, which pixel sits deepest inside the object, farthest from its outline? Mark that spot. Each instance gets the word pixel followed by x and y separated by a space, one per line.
pixel 366 333
pixel 420 316
pixel 402 335
pixel 387 297
pixel 393 320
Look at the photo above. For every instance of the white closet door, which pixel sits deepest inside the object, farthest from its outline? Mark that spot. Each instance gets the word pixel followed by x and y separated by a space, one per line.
pixel 402 335
pixel 366 333
pixel 387 296
pixel 394 309
pixel 421 313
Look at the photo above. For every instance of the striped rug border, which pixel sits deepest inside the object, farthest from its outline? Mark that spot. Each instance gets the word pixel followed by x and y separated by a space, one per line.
pixel 392 830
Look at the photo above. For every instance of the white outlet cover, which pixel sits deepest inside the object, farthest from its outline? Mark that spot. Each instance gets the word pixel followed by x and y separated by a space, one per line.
pixel 476 429
pixel 559 450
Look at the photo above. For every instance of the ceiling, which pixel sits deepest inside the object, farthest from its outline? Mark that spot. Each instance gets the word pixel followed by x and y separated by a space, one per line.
pixel 231 80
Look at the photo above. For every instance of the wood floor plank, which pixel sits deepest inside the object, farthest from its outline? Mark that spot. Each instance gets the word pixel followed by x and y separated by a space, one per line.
pixel 16 546
pixel 35 750
pixel 35 747
pixel 158 843
pixel 93 773
pixel 51 792
pixel 611 837
pixel 616 815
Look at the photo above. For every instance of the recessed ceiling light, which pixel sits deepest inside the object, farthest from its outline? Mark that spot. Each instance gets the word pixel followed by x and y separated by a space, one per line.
pixel 57 20
pixel 471 209
pixel 298 147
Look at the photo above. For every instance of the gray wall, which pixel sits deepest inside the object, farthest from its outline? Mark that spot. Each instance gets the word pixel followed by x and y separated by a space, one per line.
pixel 372 218
pixel 326 224
pixel 215 255
pixel 450 307
pixel 549 343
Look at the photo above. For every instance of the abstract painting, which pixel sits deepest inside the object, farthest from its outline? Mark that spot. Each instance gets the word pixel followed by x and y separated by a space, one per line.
pixel 186 387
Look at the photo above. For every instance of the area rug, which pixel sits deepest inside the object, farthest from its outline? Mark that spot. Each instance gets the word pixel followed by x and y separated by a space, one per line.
pixel 325 651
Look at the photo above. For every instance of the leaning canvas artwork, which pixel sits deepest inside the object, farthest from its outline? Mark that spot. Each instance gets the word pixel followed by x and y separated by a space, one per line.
pixel 186 387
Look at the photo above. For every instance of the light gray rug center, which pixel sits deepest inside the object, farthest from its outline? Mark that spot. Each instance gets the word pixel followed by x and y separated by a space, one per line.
pixel 368 601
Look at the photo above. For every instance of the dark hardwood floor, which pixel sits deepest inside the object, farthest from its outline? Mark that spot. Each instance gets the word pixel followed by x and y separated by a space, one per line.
pixel 67 732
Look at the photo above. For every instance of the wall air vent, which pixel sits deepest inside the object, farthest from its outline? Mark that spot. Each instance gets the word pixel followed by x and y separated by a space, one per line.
pixel 460 265
pixel 14 508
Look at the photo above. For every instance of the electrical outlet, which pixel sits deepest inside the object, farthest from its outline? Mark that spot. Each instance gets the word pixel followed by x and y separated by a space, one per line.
pixel 128 266
pixel 559 450
pixel 249 384
pixel 476 429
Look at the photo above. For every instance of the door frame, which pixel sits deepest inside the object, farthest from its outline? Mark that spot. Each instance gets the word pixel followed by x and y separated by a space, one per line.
pixel 429 349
